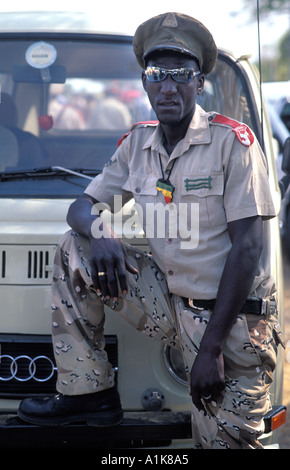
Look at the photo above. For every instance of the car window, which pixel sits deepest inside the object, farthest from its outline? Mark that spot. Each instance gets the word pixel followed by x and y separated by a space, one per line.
pixel 225 93
pixel 67 100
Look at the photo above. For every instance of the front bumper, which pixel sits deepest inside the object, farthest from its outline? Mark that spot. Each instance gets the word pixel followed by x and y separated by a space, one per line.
pixel 137 430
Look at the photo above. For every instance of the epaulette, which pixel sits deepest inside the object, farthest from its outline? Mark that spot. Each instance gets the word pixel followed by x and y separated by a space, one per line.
pixel 242 131
pixel 137 124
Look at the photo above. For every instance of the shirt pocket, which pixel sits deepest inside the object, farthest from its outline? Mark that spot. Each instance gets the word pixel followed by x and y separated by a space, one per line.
pixel 141 185
pixel 208 191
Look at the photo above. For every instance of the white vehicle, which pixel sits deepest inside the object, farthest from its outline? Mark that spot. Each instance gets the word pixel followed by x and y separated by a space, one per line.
pixel 58 90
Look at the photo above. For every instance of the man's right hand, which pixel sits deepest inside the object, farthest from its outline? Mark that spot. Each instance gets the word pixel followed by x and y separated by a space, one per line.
pixel 109 264
pixel 108 258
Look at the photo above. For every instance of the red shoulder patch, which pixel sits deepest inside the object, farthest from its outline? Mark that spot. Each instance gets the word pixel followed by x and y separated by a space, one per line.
pixel 242 131
pixel 146 123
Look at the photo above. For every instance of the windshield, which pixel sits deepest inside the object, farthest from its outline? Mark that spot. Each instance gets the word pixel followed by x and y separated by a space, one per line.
pixel 67 99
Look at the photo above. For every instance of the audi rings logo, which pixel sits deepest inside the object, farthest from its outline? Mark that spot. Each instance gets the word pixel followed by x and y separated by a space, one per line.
pixel 24 368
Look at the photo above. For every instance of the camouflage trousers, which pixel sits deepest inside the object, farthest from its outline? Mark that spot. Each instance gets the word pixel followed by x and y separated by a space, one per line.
pixel 83 367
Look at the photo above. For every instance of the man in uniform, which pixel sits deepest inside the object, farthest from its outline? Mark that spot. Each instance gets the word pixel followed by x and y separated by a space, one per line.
pixel 206 287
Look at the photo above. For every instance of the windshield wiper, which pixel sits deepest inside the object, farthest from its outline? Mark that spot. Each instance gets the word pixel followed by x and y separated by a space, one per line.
pixel 49 171
pixel 72 172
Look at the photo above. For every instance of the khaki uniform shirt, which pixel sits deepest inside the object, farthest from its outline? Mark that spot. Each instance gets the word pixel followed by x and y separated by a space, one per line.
pixel 219 175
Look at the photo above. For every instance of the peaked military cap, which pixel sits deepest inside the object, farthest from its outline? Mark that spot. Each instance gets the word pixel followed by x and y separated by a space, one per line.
pixel 177 32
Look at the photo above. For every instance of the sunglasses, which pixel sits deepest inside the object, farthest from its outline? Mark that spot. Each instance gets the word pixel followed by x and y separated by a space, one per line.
pixel 183 75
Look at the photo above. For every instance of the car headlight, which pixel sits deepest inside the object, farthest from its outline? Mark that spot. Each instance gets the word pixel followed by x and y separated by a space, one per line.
pixel 174 362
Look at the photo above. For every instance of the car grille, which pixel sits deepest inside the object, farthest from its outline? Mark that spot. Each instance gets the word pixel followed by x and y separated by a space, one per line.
pixel 34 264
pixel 27 365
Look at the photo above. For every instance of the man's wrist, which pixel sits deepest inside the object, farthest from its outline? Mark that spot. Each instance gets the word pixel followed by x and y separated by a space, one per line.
pixel 211 344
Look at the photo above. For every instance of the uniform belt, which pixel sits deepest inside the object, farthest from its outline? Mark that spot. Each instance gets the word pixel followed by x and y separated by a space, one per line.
pixel 266 306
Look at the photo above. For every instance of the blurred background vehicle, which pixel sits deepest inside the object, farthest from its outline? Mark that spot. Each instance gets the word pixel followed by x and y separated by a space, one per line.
pixel 277 95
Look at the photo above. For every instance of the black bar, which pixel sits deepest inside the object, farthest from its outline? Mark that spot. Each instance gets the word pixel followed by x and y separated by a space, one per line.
pixel 137 428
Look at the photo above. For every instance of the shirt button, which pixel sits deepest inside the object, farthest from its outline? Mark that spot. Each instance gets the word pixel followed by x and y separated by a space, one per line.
pixel 170 272
pixel 137 190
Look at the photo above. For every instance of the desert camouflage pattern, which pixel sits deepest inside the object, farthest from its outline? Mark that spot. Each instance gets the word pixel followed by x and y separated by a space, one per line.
pixel 78 339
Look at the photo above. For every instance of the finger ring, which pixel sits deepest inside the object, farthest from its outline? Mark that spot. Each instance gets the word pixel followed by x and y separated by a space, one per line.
pixel 208 397
pixel 101 273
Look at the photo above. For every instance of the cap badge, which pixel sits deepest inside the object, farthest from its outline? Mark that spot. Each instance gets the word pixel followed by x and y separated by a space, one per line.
pixel 170 21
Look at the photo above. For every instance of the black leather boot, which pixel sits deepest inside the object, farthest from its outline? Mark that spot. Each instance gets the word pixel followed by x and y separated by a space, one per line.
pixel 95 409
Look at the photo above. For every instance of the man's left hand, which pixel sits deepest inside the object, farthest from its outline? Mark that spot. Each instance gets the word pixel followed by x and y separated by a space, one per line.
pixel 207 378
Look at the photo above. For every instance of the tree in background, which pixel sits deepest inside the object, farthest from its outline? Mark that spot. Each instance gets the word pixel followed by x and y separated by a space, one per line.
pixel 284 58
pixel 268 6
pixel 277 67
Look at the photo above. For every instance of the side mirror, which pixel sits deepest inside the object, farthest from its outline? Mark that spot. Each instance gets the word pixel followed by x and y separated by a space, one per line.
pixel 285 181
